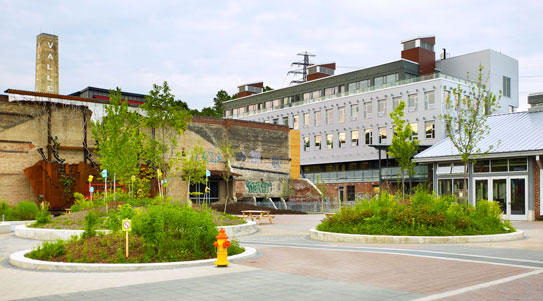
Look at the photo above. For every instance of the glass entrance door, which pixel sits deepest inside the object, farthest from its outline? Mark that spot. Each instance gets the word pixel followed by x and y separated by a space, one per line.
pixel 499 194
pixel 510 193
pixel 518 200
pixel 481 190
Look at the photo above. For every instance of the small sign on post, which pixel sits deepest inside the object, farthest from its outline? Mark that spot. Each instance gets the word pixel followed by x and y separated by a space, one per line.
pixel 104 175
pixel 126 227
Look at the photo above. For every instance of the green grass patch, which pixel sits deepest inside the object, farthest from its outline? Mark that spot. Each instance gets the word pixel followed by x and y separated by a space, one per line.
pixel 422 215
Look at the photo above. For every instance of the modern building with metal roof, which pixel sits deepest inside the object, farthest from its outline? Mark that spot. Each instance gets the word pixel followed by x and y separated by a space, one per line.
pixel 510 173
pixel 342 117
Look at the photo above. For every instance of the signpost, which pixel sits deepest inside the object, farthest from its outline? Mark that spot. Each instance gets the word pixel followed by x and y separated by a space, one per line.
pixel 104 175
pixel 206 191
pixel 91 189
pixel 126 227
pixel 133 178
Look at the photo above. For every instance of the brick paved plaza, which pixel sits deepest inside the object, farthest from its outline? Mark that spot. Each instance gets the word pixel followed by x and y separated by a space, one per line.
pixel 289 266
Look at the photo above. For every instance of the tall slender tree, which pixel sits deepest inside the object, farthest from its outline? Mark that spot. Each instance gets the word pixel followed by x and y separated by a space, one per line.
pixel 119 138
pixel 465 119
pixel 227 153
pixel 167 118
pixel 403 146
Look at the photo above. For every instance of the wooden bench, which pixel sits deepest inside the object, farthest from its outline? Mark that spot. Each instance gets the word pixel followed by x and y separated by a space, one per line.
pixel 328 215
pixel 257 214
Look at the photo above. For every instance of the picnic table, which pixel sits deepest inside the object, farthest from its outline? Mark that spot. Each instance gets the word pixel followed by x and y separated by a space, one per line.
pixel 257 214
pixel 327 215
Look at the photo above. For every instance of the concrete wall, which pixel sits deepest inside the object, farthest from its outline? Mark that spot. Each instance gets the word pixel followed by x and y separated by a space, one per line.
pixel 262 156
pixel 23 130
pixel 262 160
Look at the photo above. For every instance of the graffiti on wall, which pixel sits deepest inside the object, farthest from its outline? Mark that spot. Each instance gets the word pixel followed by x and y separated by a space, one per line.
pixel 255 156
pixel 275 163
pixel 211 156
pixel 240 156
pixel 258 186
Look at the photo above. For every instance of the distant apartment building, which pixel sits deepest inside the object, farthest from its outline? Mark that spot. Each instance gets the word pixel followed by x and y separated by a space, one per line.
pixel 344 119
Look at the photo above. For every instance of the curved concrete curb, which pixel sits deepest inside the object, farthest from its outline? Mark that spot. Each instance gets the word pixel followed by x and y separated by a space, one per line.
pixel 19 260
pixel 389 239
pixel 240 230
pixel 55 234
pixel 5 227
pixel 47 234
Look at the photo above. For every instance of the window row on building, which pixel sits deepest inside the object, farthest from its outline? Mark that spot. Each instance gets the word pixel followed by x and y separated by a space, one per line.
pixel 352 112
pixel 341 140
pixel 361 86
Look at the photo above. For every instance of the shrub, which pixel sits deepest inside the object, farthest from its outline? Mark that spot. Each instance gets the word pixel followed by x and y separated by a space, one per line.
pixel 90 224
pixel 235 248
pixel 7 212
pixel 26 210
pixel 48 250
pixel 81 203
pixel 174 233
pixel 43 216
pixel 423 215
pixel 115 217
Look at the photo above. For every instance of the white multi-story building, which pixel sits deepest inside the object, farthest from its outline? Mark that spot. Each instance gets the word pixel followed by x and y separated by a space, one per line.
pixel 344 119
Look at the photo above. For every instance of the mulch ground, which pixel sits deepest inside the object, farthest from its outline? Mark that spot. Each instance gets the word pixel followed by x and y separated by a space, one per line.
pixel 236 208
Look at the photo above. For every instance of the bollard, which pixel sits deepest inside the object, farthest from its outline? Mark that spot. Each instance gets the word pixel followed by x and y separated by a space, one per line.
pixel 222 245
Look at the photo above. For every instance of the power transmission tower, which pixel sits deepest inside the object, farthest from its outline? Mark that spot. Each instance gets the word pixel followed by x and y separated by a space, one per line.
pixel 303 71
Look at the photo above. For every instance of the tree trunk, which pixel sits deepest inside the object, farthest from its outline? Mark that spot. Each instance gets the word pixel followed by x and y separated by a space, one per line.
pixel 403 184
pixel 188 191
pixel 227 194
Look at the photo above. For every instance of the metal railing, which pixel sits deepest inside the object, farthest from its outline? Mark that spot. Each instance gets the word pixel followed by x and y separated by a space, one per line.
pixel 370 175
pixel 309 207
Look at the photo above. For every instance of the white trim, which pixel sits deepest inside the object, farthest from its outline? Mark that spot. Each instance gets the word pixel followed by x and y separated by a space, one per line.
pixel 487 156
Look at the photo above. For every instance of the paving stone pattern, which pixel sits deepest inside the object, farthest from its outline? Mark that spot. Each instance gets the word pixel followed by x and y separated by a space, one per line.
pixel 290 266
pixel 254 285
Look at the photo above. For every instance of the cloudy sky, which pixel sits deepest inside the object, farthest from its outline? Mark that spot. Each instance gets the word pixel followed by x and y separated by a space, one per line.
pixel 200 47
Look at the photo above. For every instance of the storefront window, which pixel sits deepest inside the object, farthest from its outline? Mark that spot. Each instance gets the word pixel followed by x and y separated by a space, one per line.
pixel 499 165
pixel 482 166
pixel 518 164
pixel 445 187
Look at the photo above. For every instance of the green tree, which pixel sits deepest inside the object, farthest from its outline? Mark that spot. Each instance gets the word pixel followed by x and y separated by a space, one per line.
pixel 403 147
pixel 221 97
pixel 167 118
pixel 119 138
pixel 227 153
pixel 194 165
pixel 465 119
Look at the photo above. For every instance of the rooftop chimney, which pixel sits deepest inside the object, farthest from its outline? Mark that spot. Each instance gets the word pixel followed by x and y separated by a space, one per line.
pixel 250 89
pixel 320 71
pixel 421 50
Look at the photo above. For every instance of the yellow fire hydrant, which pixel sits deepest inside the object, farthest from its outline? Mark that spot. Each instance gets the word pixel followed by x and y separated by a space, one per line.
pixel 222 245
